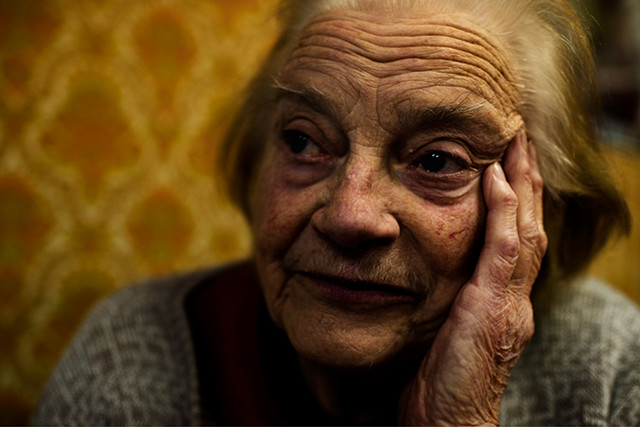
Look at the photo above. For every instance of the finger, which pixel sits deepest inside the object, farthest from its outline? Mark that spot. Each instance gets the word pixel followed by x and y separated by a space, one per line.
pixel 519 172
pixel 501 249
pixel 538 183
pixel 518 169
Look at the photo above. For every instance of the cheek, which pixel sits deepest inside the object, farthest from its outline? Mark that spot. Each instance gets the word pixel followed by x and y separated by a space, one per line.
pixel 453 235
pixel 279 212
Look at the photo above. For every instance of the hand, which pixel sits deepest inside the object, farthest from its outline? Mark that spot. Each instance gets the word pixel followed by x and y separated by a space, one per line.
pixel 464 375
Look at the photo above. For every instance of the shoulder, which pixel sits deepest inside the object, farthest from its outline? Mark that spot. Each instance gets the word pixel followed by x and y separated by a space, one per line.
pixel 131 361
pixel 590 319
pixel 157 301
pixel 583 363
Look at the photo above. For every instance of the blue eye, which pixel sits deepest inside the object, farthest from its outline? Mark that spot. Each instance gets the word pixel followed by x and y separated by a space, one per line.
pixel 440 162
pixel 300 143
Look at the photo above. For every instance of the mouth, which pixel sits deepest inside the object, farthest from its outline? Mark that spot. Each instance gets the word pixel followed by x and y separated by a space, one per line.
pixel 355 292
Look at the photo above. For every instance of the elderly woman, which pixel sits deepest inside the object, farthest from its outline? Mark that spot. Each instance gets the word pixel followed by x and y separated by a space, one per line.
pixel 395 160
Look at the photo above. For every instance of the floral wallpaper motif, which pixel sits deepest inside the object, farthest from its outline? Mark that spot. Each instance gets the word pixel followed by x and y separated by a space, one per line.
pixel 110 115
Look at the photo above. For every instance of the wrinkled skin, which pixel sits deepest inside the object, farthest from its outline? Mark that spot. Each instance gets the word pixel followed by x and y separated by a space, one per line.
pixel 386 231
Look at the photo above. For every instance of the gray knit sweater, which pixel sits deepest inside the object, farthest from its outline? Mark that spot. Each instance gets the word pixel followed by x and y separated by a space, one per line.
pixel 133 362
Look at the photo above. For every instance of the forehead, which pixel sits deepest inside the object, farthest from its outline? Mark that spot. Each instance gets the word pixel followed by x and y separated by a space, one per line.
pixel 402 62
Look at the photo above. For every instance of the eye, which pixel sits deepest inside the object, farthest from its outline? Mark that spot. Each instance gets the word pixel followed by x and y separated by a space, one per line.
pixel 441 162
pixel 300 143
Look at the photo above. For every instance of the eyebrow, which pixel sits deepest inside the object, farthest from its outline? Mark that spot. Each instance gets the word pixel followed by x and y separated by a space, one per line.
pixel 308 95
pixel 460 115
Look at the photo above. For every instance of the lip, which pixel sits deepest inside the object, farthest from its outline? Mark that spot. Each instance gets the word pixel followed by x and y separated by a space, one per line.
pixel 354 293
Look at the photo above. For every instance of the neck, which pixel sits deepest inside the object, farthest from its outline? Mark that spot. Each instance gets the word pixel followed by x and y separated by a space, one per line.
pixel 359 397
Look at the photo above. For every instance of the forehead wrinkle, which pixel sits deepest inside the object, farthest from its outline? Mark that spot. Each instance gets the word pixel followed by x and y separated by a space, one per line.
pixel 310 95
pixel 466 112
pixel 438 45
pixel 502 95
pixel 442 77
pixel 409 34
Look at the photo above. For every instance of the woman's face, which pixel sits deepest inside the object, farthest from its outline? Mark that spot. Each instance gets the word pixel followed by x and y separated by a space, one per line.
pixel 367 207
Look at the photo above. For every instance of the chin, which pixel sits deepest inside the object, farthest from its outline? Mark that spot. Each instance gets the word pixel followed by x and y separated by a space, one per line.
pixel 335 338
pixel 354 349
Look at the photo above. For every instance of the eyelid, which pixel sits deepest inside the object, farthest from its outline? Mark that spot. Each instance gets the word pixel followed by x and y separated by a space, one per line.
pixel 463 166
pixel 291 112
pixel 304 125
pixel 443 145
pixel 286 133
pixel 321 129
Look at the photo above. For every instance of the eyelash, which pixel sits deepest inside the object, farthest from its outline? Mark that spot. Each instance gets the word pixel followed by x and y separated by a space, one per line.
pixel 442 160
pixel 297 142
pixel 431 166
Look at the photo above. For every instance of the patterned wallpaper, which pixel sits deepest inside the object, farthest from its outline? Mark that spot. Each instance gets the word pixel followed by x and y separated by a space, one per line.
pixel 110 113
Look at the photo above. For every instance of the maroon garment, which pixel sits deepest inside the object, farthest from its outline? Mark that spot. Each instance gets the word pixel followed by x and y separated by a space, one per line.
pixel 248 372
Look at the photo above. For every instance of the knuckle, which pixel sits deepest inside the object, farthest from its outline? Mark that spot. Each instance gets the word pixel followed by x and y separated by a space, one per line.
pixel 510 199
pixel 528 330
pixel 528 325
pixel 539 239
pixel 534 236
pixel 537 182
pixel 530 231
pixel 543 241
pixel 509 247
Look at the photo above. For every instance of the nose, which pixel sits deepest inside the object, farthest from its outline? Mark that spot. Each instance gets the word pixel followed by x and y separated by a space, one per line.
pixel 357 212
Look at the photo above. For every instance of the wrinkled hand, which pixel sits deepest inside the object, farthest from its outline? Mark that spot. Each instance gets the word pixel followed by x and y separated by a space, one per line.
pixel 463 377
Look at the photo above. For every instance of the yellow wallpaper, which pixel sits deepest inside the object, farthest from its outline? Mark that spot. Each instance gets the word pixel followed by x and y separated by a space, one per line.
pixel 110 113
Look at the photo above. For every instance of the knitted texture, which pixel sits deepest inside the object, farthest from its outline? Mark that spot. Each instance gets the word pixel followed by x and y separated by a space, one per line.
pixel 132 362
pixel 582 366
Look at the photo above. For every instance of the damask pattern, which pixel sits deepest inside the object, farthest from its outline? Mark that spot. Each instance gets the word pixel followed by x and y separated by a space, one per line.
pixel 110 115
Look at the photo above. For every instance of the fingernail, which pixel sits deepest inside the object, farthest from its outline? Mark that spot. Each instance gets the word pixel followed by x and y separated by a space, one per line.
pixel 522 140
pixel 533 153
pixel 497 171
